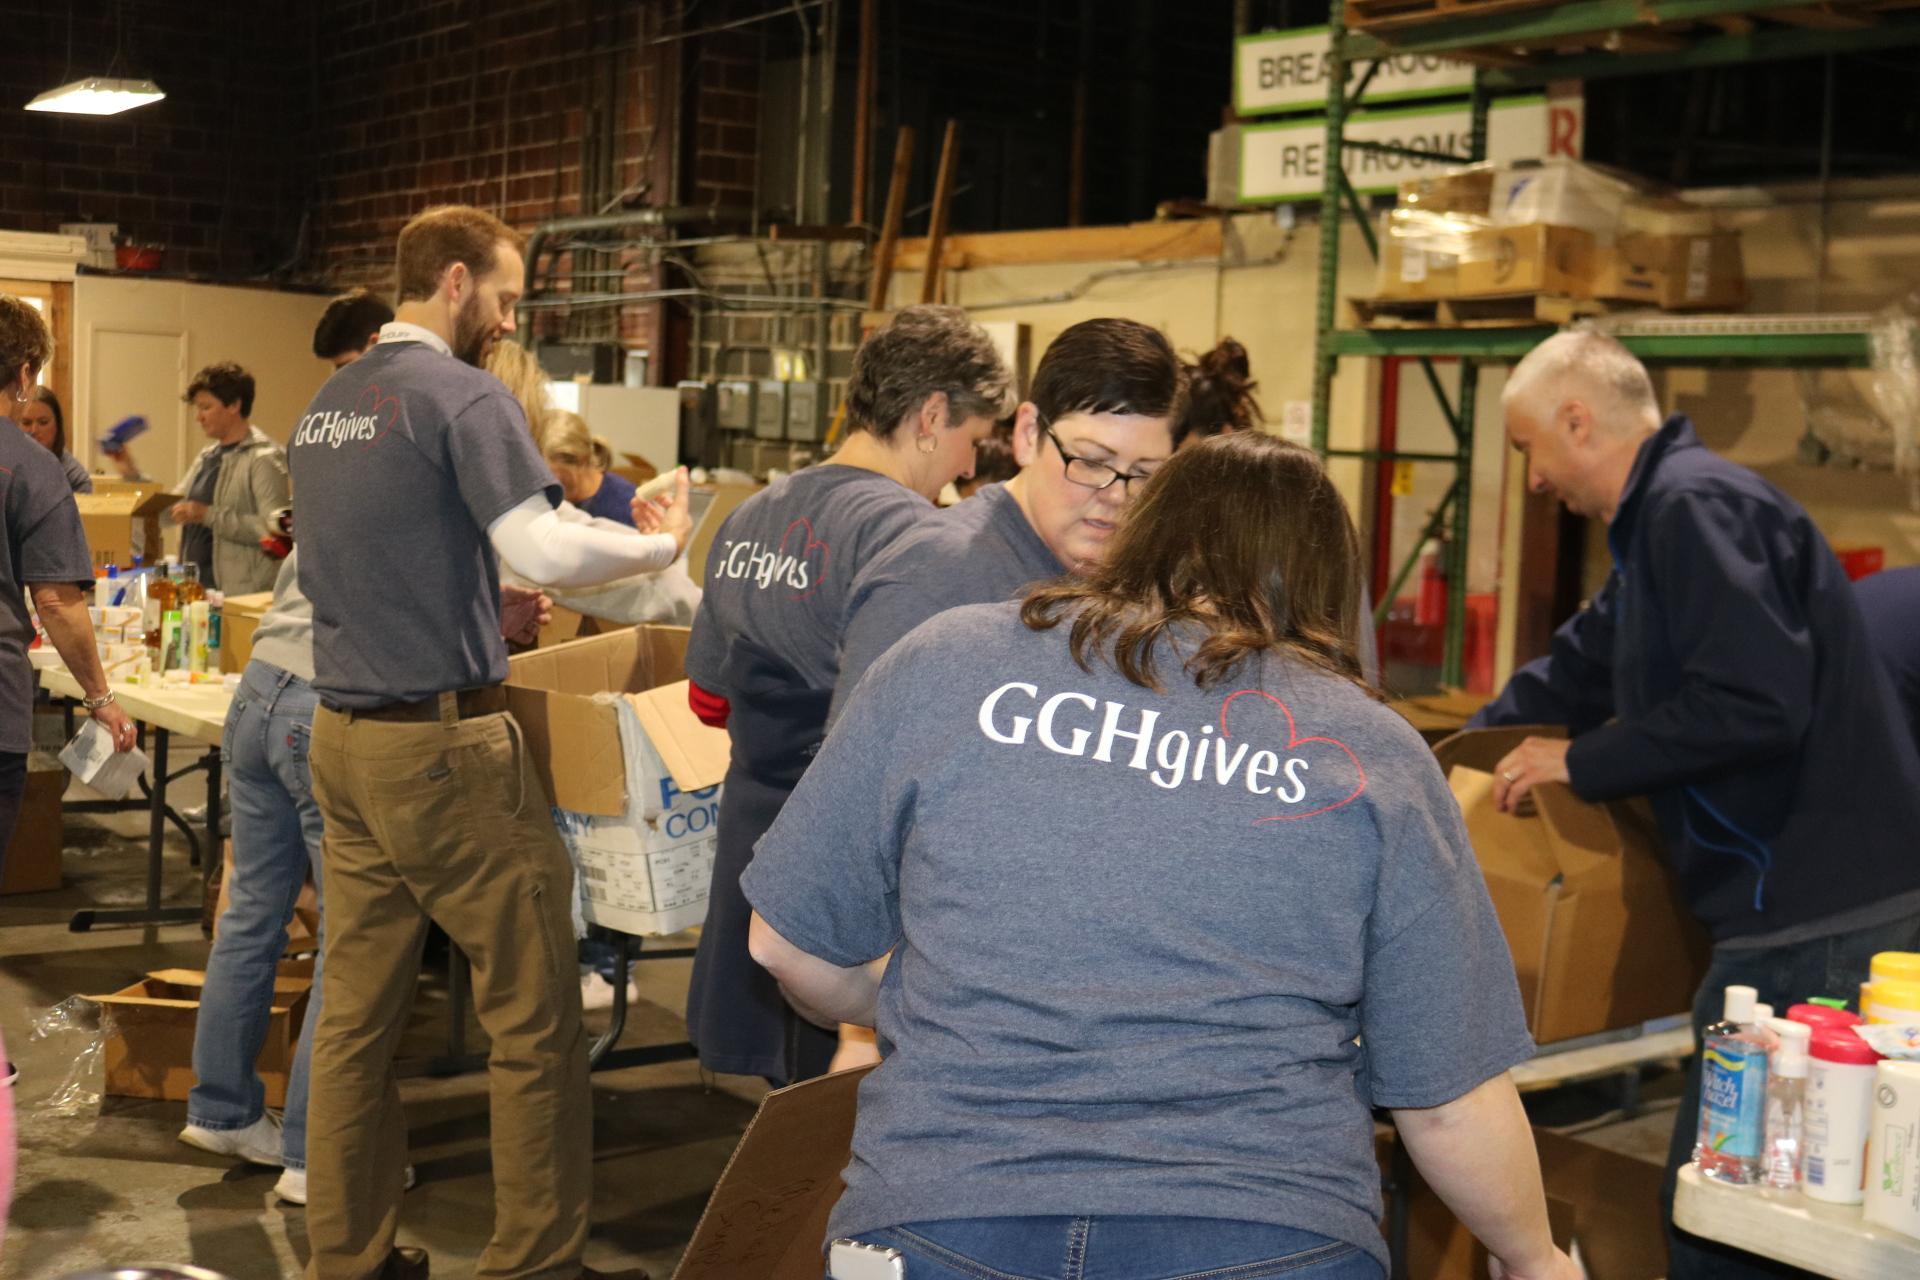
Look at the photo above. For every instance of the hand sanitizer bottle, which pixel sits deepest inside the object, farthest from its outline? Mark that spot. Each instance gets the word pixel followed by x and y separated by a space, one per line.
pixel 1733 1093
pixel 1787 1104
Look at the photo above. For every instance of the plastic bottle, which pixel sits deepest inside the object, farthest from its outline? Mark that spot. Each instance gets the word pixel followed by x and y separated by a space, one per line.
pixel 196 645
pixel 188 585
pixel 1839 1112
pixel 1786 1103
pixel 216 623
pixel 172 650
pixel 1763 1024
pixel 105 582
pixel 1733 1094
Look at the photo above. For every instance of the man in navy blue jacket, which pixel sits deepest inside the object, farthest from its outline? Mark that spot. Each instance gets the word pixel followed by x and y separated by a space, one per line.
pixel 1890 602
pixel 1724 672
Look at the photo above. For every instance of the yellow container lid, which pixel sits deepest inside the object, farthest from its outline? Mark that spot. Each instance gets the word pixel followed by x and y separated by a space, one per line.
pixel 1902 966
pixel 1891 1000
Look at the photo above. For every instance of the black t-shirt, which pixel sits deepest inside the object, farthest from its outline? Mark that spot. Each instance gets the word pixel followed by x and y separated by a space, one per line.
pixel 196 540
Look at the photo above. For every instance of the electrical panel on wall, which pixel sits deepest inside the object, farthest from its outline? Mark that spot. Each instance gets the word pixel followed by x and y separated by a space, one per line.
pixel 803 411
pixel 770 410
pixel 733 404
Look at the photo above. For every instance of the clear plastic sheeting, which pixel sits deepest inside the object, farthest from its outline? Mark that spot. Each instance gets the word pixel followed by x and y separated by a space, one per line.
pixel 82 1025
pixel 1896 385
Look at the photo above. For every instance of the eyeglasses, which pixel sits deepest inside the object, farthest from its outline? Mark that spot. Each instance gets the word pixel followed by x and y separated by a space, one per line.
pixel 1088 473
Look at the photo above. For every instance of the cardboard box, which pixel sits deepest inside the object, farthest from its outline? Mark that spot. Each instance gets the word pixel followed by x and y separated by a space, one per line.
pixel 1420 254
pixel 1705 273
pixel 1600 935
pixel 1561 193
pixel 633 775
pixel 1536 258
pixel 149 1032
pixel 33 858
pixel 725 498
pixel 1438 716
pixel 1605 1204
pixel 115 511
pixel 1462 191
pixel 767 1217
pixel 239 617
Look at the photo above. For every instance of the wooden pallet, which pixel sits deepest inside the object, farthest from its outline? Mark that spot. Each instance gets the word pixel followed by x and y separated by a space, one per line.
pixel 1379 17
pixel 1493 311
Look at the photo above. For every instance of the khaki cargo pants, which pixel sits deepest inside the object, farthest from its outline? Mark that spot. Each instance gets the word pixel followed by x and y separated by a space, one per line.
pixel 444 821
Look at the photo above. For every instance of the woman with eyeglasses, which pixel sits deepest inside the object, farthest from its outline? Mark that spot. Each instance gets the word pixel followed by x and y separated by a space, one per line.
pixel 1173 902
pixel 1098 421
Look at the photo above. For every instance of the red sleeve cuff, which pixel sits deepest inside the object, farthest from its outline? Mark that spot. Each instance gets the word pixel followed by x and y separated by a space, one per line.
pixel 709 706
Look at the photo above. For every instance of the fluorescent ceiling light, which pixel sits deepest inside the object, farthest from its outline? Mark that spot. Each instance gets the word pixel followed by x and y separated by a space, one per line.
pixel 98 96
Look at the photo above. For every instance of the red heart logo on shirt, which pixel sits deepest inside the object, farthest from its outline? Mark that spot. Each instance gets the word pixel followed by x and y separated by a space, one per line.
pixel 812 551
pixel 1294 742
pixel 372 404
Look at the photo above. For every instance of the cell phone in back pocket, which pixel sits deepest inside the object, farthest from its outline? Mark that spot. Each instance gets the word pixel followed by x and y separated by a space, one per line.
pixel 853 1260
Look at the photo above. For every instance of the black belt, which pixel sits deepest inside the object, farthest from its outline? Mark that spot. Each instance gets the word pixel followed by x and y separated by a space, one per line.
pixel 470 704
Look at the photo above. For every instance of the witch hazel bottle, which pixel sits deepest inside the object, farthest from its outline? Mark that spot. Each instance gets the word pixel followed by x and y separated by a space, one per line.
pixel 1733 1093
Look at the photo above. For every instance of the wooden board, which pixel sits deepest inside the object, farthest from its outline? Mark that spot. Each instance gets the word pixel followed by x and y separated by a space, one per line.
pixel 1492 311
pixel 1135 242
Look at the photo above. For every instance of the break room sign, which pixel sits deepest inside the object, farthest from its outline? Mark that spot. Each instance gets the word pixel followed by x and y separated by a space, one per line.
pixel 1287 70
pixel 1283 161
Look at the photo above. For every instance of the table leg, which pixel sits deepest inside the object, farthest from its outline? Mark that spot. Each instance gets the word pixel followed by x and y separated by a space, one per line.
pixel 213 811
pixel 153 912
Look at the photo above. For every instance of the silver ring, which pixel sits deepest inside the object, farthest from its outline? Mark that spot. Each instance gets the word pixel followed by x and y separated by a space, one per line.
pixel 1511 776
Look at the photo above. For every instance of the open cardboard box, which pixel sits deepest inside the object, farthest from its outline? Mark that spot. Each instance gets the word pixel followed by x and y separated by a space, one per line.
pixel 633 775
pixel 1600 935
pixel 767 1217
pixel 149 1032
pixel 1438 716
pixel 114 511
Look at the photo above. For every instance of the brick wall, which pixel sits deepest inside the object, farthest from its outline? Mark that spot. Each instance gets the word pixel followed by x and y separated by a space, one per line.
pixel 304 136
pixel 206 172
pixel 726 118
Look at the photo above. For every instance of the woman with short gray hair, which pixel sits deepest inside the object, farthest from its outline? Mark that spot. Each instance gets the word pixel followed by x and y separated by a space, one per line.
pixel 765 651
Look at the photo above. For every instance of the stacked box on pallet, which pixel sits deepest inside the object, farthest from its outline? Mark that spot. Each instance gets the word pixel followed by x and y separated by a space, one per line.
pixel 1555 228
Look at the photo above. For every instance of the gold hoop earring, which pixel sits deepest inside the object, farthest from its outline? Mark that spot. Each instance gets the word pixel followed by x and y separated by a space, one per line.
pixel 926 444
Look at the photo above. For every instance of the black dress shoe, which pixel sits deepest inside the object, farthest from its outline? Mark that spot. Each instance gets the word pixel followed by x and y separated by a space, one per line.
pixel 405 1264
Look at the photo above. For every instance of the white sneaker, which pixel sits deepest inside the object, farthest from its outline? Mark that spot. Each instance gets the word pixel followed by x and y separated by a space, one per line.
pixel 292 1186
pixel 597 993
pixel 258 1143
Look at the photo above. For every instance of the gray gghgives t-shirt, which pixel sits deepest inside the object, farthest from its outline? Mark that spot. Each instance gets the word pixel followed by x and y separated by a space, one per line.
pixel 400 463
pixel 780 568
pixel 1154 953
pixel 44 543
pixel 980 551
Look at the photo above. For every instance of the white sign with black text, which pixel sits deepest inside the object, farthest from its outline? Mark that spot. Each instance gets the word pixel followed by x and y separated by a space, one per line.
pixel 1283 161
pixel 1287 70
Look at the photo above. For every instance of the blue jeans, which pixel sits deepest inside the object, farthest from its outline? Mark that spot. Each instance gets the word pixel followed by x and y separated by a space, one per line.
pixel 1784 976
pixel 276 840
pixel 1116 1248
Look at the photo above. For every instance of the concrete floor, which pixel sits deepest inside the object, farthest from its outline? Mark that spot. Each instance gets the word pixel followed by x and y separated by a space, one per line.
pixel 111 1185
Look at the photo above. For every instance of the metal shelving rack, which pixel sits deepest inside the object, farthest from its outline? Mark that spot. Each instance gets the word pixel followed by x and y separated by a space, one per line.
pixel 1525 47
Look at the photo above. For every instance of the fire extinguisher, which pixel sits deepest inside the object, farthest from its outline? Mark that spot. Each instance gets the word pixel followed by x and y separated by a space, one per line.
pixel 1430 607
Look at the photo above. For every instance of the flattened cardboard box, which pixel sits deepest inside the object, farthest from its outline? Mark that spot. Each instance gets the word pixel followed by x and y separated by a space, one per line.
pixel 149 1032
pixel 633 774
pixel 767 1217
pixel 1438 716
pixel 1600 935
